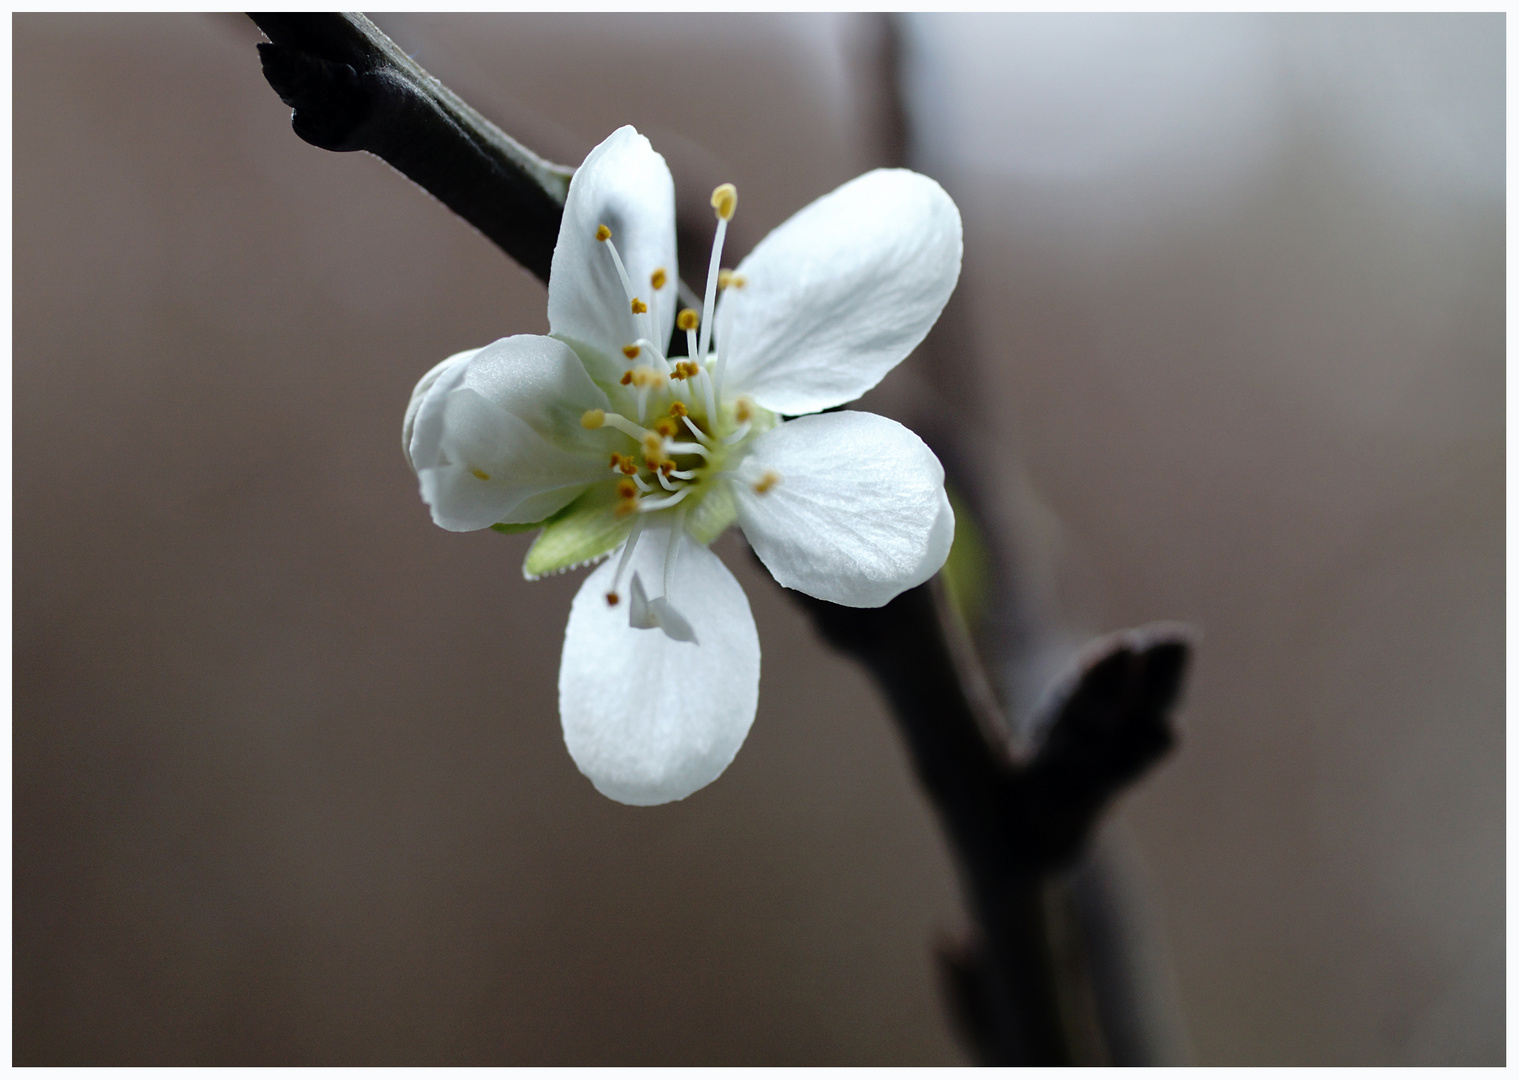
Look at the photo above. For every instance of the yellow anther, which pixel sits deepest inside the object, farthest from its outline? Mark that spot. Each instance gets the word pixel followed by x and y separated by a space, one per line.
pixel 677 408
pixel 727 279
pixel 666 426
pixel 653 446
pixel 766 482
pixel 627 378
pixel 687 319
pixel 616 459
pixel 645 376
pixel 639 307
pixel 743 410
pixel 612 599
pixel 667 467
pixel 658 279
pixel 626 507
pixel 725 201
pixel 627 489
pixel 592 419
pixel 631 351
pixel 603 233
pixel 478 475
pixel 628 466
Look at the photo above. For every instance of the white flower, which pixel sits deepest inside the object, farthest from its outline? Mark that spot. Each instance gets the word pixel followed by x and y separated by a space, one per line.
pixel 612 447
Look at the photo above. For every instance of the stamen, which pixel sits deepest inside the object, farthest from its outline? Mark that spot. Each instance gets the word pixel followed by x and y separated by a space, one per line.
pixel 660 476
pixel 738 433
pixel 603 233
pixel 673 549
pixel 680 474
pixel 687 448
pixel 631 351
pixel 622 564
pixel 658 279
pixel 626 489
pixel 743 410
pixel 653 447
pixel 645 343
pixel 478 475
pixel 727 279
pixel 766 482
pixel 678 409
pixel 725 201
pixel 592 419
pixel 666 426
pixel 640 483
pixel 637 306
pixel 701 435
pixel 711 395
pixel 687 320
pixel 645 376
pixel 621 423
pixel 646 506
pixel 627 378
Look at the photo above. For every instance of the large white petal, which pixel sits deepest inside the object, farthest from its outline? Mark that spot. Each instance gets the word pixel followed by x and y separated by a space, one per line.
pixel 647 718
pixel 624 185
pixel 839 294
pixel 854 510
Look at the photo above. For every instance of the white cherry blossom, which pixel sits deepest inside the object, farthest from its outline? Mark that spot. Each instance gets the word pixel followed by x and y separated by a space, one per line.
pixel 611 446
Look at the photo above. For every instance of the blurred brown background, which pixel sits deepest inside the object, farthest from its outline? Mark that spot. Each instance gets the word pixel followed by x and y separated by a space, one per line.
pixel 288 779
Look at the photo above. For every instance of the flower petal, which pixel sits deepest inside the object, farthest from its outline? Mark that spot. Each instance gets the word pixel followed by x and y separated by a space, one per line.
pixel 852 509
pixel 495 434
pixel 647 718
pixel 430 391
pixel 543 383
pixel 839 294
pixel 624 185
pixel 492 467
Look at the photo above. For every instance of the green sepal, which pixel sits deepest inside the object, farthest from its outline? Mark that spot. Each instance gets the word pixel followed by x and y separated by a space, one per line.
pixel 586 528
pixel 714 511
pixel 502 527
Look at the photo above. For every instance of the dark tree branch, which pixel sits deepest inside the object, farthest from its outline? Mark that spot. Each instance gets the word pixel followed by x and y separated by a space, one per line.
pixel 1012 823
pixel 352 88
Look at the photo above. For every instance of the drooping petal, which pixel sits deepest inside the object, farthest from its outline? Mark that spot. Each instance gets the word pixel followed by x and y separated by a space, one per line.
pixel 840 293
pixel 542 382
pixel 430 390
pixel 495 434
pixel 493 467
pixel 847 507
pixel 624 185
pixel 647 718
